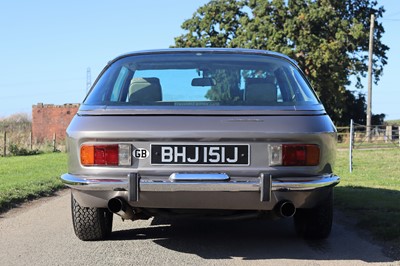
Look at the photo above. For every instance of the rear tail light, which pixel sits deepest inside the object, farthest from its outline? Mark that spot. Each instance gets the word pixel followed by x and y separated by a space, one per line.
pixel 106 154
pixel 294 154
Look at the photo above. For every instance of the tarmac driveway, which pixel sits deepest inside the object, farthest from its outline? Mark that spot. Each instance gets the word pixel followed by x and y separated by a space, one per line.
pixel 41 233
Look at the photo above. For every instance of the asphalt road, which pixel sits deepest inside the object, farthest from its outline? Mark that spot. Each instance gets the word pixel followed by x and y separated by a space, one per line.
pixel 41 233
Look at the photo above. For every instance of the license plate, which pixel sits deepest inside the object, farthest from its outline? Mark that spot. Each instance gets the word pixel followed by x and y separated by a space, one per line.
pixel 200 154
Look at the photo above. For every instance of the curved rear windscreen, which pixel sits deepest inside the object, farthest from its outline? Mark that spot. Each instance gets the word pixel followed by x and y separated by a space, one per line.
pixel 201 79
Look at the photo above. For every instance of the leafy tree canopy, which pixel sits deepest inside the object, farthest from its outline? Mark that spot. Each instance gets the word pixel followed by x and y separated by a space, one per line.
pixel 328 38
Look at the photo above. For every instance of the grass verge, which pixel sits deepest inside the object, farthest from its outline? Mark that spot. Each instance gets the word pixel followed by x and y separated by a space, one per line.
pixel 371 193
pixel 27 177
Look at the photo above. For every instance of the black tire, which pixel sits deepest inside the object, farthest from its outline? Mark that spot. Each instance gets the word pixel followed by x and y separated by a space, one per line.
pixel 91 223
pixel 315 223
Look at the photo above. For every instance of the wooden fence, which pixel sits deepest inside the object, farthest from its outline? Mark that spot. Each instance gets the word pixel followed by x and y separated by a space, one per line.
pixel 22 138
pixel 379 136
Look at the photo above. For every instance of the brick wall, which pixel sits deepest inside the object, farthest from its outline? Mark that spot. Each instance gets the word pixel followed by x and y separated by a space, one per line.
pixel 48 119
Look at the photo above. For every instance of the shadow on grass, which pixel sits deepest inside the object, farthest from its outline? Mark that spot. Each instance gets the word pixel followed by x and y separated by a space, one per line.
pixel 375 210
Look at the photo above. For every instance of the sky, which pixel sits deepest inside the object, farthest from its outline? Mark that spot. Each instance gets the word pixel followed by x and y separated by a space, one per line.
pixel 47 46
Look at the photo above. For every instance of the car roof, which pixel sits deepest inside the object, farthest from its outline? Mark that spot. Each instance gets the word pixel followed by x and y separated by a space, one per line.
pixel 206 50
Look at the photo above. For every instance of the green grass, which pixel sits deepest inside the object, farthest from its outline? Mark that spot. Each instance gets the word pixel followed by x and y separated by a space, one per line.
pixel 27 177
pixel 371 193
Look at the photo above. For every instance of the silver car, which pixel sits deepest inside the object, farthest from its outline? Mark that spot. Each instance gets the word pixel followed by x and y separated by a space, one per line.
pixel 228 133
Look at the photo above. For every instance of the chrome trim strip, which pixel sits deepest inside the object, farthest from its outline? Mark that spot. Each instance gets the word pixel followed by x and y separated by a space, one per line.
pixel 323 181
pixel 90 183
pixel 121 184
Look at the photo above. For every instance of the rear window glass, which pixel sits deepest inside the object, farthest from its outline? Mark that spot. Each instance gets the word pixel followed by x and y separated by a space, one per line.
pixel 201 79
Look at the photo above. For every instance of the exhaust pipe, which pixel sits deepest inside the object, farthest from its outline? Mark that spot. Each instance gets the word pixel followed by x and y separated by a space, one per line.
pixel 285 209
pixel 121 208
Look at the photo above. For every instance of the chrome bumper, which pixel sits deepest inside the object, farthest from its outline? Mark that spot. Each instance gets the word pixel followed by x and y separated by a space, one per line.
pixel 199 183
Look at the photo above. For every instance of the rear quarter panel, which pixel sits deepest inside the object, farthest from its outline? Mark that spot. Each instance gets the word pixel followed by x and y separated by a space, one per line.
pixel 258 131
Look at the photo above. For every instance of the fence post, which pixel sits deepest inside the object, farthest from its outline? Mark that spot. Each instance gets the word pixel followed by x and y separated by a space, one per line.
pixel 30 140
pixel 351 146
pixel 54 142
pixel 388 134
pixel 5 144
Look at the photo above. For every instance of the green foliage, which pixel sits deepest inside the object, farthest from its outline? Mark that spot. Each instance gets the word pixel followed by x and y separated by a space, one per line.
pixel 213 25
pixel 355 108
pixel 328 39
pixel 223 93
pixel 16 151
pixel 23 178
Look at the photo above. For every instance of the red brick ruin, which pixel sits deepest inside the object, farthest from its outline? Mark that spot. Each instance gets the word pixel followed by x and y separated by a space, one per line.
pixel 50 119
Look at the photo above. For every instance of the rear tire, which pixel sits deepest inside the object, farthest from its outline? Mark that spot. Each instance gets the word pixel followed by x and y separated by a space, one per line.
pixel 315 223
pixel 91 223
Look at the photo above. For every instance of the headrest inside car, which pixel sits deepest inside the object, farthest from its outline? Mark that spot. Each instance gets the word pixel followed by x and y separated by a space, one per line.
pixel 145 90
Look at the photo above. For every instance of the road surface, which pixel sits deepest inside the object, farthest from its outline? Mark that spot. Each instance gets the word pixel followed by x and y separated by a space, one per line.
pixel 41 233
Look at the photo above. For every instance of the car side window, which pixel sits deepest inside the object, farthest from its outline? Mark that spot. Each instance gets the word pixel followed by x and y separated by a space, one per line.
pixel 119 85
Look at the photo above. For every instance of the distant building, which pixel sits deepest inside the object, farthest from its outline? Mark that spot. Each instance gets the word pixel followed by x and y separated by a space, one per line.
pixel 50 119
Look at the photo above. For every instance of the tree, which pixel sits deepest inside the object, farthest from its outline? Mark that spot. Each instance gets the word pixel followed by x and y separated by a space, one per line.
pixel 213 25
pixel 328 39
pixel 225 93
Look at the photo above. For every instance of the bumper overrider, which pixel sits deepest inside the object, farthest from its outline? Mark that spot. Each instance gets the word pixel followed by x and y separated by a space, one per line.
pixel 134 185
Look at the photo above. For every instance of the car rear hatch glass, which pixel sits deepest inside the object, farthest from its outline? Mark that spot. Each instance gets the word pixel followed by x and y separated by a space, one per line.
pixel 201 81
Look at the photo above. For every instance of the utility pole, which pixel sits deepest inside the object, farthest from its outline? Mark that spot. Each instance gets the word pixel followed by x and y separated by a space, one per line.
pixel 369 103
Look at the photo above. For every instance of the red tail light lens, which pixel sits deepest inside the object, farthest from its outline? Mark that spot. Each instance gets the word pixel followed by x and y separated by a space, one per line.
pixel 300 155
pixel 106 155
pixel 113 154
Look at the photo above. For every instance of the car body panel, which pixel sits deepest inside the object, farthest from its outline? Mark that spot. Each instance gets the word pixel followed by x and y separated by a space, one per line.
pixel 257 185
